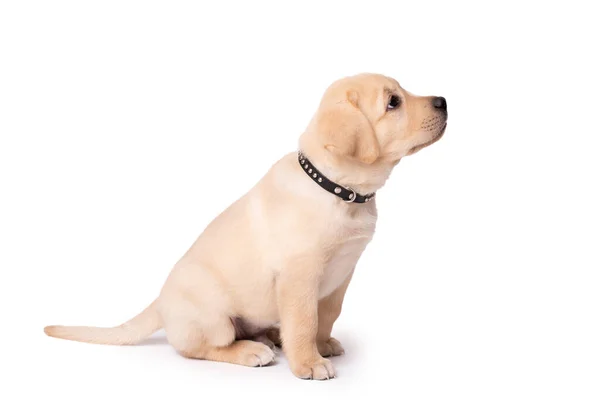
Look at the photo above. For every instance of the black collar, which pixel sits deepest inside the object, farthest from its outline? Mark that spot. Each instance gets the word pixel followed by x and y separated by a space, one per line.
pixel 346 194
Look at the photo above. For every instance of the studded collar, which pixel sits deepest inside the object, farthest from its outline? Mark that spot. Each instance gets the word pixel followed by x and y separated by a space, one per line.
pixel 346 194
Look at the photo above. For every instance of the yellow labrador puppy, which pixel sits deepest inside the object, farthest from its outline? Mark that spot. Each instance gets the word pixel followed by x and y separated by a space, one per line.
pixel 273 268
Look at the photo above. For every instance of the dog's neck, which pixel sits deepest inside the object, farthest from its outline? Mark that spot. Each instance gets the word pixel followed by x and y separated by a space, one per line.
pixel 352 174
pixel 348 194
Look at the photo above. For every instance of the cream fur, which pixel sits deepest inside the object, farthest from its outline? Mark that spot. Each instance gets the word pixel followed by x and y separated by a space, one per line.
pixel 284 253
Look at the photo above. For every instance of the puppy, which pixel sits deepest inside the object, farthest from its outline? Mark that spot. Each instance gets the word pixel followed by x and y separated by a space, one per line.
pixel 273 268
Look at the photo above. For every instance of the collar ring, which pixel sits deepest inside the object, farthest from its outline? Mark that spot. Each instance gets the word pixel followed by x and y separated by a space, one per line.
pixel 351 197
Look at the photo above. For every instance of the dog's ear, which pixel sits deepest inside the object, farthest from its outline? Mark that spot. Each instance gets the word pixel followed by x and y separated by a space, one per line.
pixel 347 131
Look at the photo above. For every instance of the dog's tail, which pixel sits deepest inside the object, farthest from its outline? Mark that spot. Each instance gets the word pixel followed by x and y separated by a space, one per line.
pixel 131 332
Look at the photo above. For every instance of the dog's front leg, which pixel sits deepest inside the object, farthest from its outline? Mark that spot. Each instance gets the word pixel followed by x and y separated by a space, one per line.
pixel 330 309
pixel 298 300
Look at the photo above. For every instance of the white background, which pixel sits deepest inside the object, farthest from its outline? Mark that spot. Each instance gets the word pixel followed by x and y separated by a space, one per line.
pixel 127 126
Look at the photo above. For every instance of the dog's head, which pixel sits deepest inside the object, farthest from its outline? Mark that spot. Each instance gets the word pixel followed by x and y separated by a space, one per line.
pixel 369 119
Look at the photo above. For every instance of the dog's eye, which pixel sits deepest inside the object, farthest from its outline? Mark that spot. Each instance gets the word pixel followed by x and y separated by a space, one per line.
pixel 394 102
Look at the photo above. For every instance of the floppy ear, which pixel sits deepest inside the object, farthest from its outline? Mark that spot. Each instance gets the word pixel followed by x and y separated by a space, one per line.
pixel 347 132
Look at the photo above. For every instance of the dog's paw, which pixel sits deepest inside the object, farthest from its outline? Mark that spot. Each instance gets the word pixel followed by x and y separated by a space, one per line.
pixel 319 369
pixel 254 354
pixel 330 348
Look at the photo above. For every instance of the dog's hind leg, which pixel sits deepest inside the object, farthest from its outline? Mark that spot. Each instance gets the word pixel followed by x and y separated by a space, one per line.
pixel 210 335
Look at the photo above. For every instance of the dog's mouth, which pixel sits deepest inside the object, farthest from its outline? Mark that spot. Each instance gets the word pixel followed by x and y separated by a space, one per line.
pixel 431 141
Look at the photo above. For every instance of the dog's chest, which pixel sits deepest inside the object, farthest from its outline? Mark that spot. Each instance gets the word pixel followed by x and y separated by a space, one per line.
pixel 353 237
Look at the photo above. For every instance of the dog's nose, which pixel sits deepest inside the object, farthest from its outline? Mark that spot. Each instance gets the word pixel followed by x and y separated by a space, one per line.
pixel 440 103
